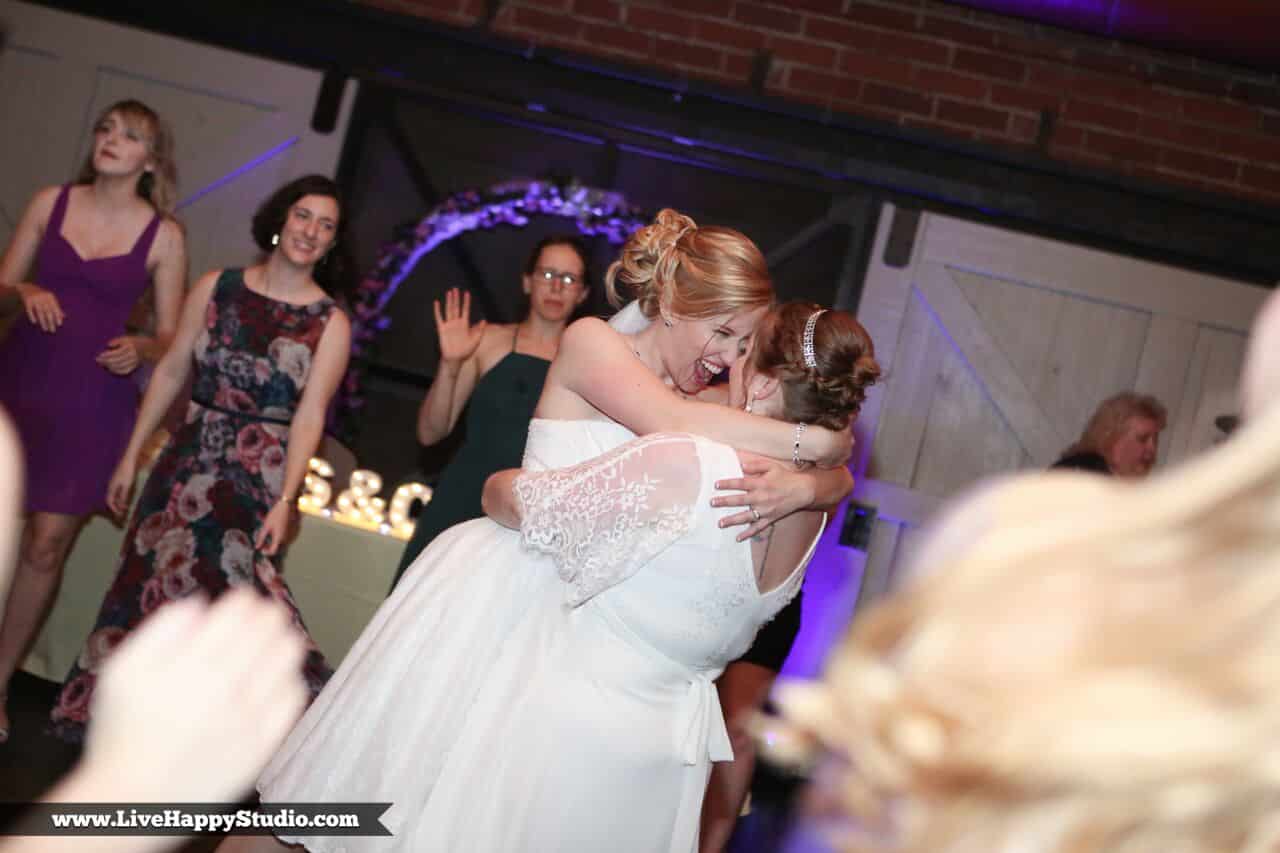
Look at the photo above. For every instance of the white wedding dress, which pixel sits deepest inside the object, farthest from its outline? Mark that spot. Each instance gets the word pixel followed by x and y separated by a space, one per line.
pixel 548 689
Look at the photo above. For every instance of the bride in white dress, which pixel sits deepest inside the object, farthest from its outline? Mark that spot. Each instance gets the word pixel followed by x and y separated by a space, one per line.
pixel 446 654
pixel 604 735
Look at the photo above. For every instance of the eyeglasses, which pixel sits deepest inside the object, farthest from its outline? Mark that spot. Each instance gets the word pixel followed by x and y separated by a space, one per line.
pixel 566 279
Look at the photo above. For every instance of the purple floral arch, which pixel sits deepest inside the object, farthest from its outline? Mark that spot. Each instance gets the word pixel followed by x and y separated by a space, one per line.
pixel 596 212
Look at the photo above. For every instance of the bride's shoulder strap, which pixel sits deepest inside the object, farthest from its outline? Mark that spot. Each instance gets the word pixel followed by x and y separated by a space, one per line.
pixel 630 319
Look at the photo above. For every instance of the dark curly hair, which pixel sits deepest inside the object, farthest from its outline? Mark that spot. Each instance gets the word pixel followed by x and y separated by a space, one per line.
pixel 831 393
pixel 333 272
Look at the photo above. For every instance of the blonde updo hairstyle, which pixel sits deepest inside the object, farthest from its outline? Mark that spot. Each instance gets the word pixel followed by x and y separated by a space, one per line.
pixel 831 393
pixel 674 268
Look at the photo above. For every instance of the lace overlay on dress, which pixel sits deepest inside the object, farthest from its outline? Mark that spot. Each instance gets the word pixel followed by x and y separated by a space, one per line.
pixel 738 594
pixel 728 592
pixel 602 520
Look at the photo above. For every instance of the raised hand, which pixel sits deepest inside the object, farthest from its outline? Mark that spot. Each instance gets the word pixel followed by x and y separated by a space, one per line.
pixel 458 338
pixel 42 307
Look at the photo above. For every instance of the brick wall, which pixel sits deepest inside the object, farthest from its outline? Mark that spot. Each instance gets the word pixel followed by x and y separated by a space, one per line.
pixel 926 64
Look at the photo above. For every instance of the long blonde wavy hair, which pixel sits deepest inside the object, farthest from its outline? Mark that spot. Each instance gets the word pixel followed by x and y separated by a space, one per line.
pixel 1096 670
pixel 674 268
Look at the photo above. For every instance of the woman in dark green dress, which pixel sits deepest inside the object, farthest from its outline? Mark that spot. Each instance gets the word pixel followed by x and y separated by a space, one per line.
pixel 500 369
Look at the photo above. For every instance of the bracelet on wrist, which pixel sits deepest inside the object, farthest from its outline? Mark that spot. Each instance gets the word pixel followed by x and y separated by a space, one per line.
pixel 795 450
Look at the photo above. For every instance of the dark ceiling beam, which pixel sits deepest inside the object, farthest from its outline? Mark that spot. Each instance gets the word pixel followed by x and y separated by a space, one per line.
pixel 1025 190
pixel 402 144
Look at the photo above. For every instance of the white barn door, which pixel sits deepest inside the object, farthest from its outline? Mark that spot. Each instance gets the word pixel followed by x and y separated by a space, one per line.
pixel 998 346
pixel 242 124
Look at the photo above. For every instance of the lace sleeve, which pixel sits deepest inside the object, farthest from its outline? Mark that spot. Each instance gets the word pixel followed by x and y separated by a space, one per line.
pixel 603 519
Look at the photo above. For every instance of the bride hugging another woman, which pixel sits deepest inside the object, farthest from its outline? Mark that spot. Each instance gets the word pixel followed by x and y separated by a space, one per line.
pixel 548 685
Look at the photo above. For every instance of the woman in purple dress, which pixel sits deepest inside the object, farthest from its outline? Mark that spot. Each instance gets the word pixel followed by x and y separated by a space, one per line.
pixel 97 246
pixel 269 346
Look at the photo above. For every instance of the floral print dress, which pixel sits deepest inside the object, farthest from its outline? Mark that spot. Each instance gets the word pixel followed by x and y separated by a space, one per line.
pixel 214 483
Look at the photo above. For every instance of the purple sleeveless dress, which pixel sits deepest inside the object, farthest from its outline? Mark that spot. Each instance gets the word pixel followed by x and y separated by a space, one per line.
pixel 73 415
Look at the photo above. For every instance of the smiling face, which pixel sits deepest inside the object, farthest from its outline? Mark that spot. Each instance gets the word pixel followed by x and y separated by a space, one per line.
pixel 309 229
pixel 556 286
pixel 696 351
pixel 121 146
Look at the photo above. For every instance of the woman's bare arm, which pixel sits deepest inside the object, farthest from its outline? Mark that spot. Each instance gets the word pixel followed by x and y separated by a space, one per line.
pixel 596 363
pixel 499 498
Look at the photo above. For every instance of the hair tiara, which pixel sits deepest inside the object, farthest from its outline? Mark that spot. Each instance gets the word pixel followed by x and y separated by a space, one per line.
pixel 806 345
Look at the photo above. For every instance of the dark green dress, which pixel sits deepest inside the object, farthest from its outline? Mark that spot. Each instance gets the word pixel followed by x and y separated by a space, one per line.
pixel 497 424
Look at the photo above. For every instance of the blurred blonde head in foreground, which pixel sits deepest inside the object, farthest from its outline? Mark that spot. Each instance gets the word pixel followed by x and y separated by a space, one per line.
pixel 1096 669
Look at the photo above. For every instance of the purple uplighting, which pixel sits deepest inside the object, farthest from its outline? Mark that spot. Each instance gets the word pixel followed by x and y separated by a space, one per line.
pixel 1232 31
pixel 238 171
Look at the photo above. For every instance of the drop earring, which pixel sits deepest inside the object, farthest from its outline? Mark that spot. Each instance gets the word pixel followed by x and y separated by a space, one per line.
pixel 750 404
pixel 275 239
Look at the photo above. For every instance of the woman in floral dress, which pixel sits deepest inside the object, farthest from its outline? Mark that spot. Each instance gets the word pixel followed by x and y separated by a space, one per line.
pixel 269 347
